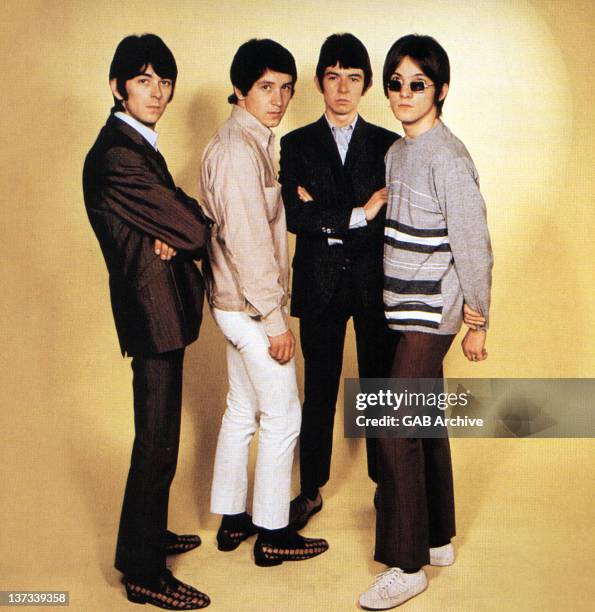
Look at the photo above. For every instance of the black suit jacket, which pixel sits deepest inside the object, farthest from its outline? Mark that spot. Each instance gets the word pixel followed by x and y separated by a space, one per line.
pixel 131 199
pixel 309 157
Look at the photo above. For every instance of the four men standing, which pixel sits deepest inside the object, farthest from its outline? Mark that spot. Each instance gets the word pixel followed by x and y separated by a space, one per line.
pixel 334 195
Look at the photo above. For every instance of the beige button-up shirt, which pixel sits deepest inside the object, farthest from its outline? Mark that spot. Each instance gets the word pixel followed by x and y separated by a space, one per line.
pixel 248 250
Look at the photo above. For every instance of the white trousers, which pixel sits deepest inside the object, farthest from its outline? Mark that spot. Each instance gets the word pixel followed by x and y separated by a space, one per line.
pixel 261 392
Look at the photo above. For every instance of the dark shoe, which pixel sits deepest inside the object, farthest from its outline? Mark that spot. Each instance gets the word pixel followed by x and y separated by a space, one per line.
pixel 168 592
pixel 302 508
pixel 233 532
pixel 287 546
pixel 176 544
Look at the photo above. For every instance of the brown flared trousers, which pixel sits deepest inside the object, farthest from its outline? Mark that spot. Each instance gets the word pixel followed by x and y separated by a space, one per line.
pixel 415 485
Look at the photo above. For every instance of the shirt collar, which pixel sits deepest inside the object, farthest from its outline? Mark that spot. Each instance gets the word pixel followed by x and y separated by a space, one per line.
pixel 250 123
pixel 350 127
pixel 146 132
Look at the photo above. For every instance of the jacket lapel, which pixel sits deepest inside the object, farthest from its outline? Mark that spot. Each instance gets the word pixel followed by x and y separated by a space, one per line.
pixel 357 144
pixel 324 139
pixel 139 140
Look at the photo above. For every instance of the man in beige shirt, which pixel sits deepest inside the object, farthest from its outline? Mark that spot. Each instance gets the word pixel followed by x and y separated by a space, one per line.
pixel 248 279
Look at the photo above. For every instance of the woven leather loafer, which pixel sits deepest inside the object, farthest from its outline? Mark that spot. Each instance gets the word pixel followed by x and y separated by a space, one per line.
pixel 167 592
pixel 177 544
pixel 230 538
pixel 288 546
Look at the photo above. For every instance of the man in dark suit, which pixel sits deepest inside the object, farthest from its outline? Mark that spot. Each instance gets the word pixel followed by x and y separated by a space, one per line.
pixel 149 232
pixel 332 173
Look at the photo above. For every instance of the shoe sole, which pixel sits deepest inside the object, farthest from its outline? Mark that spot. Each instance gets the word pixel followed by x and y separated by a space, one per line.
pixel 397 604
pixel 265 562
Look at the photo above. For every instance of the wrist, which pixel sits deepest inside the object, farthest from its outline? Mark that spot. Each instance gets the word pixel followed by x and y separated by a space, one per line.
pixel 275 323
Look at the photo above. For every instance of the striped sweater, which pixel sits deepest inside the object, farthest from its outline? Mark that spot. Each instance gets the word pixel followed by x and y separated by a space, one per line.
pixel 437 252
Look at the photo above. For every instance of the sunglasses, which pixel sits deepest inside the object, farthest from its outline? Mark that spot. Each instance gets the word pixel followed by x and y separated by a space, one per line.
pixel 415 86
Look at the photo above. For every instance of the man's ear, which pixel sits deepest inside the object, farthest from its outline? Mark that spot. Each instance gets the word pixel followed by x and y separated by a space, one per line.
pixel 443 92
pixel 114 87
pixel 238 93
pixel 317 83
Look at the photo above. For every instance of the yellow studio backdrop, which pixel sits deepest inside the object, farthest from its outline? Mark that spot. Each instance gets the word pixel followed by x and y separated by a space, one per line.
pixel 521 99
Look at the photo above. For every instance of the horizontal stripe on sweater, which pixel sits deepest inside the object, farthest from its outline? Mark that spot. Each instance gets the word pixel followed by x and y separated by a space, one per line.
pixel 408 287
pixel 415 231
pixel 413 306
pixel 393 321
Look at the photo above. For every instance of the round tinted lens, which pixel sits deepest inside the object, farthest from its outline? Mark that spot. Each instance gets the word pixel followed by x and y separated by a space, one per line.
pixel 417 86
pixel 394 85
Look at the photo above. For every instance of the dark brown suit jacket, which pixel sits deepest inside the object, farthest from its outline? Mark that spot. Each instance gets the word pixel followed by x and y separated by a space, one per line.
pixel 131 199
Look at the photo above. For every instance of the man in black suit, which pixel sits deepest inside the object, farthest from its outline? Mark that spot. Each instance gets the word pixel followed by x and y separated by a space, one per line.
pixel 332 173
pixel 137 212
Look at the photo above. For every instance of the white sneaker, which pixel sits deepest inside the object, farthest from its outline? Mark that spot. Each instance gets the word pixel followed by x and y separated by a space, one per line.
pixel 442 555
pixel 392 588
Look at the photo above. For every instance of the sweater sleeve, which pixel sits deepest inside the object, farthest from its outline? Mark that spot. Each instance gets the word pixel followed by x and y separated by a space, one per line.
pixel 463 206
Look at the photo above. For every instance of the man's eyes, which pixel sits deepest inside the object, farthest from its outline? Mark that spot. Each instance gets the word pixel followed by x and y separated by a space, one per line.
pixel 268 87
pixel 353 78
pixel 164 82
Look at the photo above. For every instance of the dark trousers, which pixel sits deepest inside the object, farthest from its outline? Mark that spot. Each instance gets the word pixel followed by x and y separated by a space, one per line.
pixel 322 339
pixel 415 487
pixel 157 386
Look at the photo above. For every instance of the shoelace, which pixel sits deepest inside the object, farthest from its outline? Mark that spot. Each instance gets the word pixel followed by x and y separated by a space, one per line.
pixel 386 578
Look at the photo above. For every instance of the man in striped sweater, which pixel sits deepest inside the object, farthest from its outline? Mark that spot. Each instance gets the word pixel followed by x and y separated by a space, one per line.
pixel 437 261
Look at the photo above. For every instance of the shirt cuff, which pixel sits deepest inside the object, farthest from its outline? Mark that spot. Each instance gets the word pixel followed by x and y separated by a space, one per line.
pixel 275 323
pixel 358 218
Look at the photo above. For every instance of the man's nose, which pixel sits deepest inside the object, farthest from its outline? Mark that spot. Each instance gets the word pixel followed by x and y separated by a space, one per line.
pixel 277 97
pixel 156 89
pixel 343 85
pixel 406 91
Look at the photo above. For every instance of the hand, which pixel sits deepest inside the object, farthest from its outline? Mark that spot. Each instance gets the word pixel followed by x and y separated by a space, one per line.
pixel 164 250
pixel 282 347
pixel 472 318
pixel 474 345
pixel 303 195
pixel 374 205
